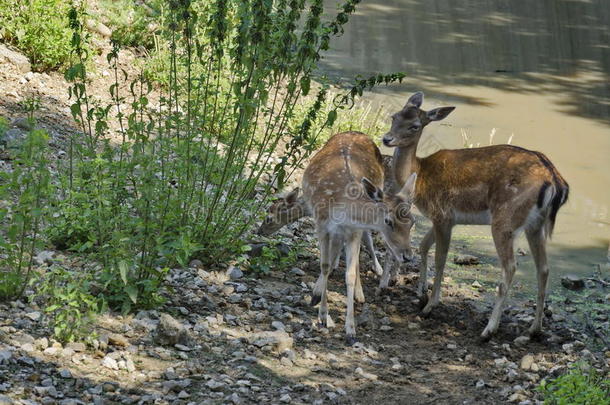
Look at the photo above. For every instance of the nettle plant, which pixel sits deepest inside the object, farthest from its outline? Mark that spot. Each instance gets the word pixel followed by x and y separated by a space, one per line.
pixel 190 173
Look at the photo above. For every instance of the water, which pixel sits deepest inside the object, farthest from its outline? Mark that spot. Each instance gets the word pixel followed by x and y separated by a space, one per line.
pixel 536 71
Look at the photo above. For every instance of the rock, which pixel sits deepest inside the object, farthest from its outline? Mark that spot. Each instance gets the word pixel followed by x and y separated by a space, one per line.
pixel 196 264
pixel 215 385
pixel 118 340
pixel 5 356
pixel 35 315
pixel 480 384
pixel 476 284
pixel 285 398
pixel 297 272
pixel 364 374
pixel 170 331
pixel 78 347
pixel 12 138
pixel 27 124
pixel 16 59
pixel 65 373
pixel 572 282
pixel 527 361
pixel 234 273
pixel 277 325
pixel 4 400
pixel 521 341
pixel 279 340
pixel 98 27
pixel 110 363
pixel 44 257
pixel 465 260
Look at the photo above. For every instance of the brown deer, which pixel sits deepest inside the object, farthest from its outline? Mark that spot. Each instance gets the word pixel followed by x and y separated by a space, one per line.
pixel 510 188
pixel 342 188
pixel 292 207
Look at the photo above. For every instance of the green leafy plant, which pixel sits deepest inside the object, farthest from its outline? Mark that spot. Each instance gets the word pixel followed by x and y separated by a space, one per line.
pixel 581 385
pixel 70 306
pixel 273 257
pixel 39 28
pixel 193 168
pixel 24 196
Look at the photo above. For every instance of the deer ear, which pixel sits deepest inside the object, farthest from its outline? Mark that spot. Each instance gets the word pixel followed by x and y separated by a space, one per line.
pixel 416 100
pixel 439 113
pixel 291 198
pixel 374 192
pixel 409 188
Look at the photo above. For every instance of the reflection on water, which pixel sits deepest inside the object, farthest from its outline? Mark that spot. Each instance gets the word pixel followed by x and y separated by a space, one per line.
pixel 535 70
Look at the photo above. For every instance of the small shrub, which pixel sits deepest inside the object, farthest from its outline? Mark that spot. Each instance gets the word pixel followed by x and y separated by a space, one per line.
pixel 581 385
pixel 70 306
pixel 39 28
pixel 24 196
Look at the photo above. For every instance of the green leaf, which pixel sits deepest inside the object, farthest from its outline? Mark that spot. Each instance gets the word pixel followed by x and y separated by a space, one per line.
pixel 123 269
pixel 132 291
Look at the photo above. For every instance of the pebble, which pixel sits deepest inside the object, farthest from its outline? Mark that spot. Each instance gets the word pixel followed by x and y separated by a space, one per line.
pixel 110 363
pixel 521 341
pixel 35 316
pixel 364 374
pixel 526 362
pixel 465 260
pixel 285 398
pixel 234 273
pixel 295 271
pixel 572 282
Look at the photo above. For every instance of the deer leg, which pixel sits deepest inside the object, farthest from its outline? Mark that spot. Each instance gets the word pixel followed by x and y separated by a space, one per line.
pixel 370 247
pixel 442 237
pixel 352 250
pixel 424 247
pixel 537 243
pixel 329 249
pixel 384 282
pixel 358 291
pixel 504 238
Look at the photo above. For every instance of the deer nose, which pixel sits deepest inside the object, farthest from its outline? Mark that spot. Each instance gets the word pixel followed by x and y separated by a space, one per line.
pixel 407 257
pixel 387 139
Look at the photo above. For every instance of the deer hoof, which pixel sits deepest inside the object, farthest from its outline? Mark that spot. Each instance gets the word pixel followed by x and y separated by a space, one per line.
pixel 350 340
pixel 423 302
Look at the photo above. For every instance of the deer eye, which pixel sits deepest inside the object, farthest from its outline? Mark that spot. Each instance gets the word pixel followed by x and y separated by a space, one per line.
pixel 389 222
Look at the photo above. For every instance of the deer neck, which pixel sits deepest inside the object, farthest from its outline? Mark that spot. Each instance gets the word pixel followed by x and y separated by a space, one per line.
pixel 405 163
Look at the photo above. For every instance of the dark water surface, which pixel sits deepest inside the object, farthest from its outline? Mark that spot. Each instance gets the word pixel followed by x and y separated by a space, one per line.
pixel 536 71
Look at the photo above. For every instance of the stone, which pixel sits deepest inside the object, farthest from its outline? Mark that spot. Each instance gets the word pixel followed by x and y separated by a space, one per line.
pixel 196 264
pixel 572 282
pixel 44 257
pixel 295 271
pixel 277 325
pixel 521 341
pixel 16 59
pixel 234 273
pixel 285 398
pixel 215 385
pixel 4 400
pixel 35 315
pixel 78 347
pixel 279 340
pixel 465 260
pixel 364 374
pixel 5 356
pixel 98 27
pixel 65 373
pixel 526 362
pixel 110 363
pixel 170 331
pixel 118 340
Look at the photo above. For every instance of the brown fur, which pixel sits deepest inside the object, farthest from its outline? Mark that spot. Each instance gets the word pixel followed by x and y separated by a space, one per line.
pixel 507 187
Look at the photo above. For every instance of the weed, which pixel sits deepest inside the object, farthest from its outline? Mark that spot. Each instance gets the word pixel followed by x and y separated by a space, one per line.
pixel 579 386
